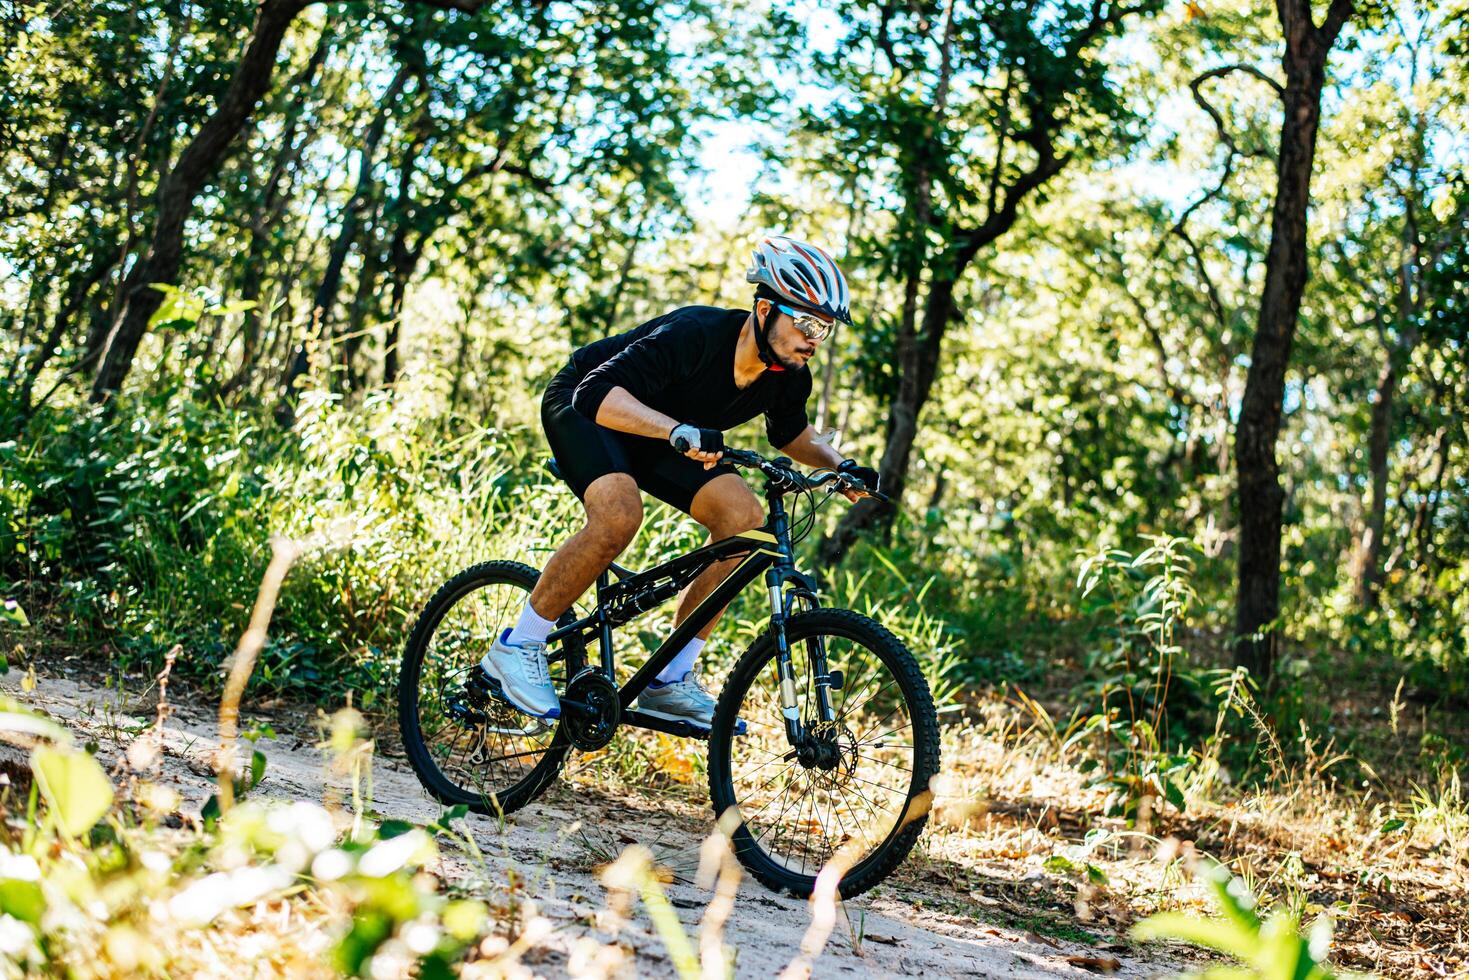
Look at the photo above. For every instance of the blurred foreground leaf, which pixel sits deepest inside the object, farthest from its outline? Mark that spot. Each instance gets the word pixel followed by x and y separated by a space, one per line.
pixel 74 785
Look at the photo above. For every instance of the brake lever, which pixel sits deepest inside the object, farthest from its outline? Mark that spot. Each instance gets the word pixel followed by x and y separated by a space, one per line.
pixel 845 484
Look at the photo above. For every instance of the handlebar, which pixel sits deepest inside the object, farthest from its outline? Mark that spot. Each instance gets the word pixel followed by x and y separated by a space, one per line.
pixel 781 470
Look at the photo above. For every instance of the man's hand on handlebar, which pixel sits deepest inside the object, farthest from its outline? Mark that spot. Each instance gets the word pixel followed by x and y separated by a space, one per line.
pixel 704 445
pixel 850 479
pixel 864 475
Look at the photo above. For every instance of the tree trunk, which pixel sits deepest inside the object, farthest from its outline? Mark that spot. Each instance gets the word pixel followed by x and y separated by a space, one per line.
pixel 1427 513
pixel 272 206
pixel 614 308
pixel 362 300
pixel 918 359
pixel 403 262
pixel 1257 607
pixel 1369 555
pixel 198 162
pixel 135 160
pixel 72 301
pixel 331 280
pixel 918 353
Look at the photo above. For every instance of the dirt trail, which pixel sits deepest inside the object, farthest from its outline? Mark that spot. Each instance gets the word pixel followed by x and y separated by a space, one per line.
pixel 765 928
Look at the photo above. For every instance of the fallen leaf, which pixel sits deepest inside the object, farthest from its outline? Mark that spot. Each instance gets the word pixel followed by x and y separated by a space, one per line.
pixel 1096 964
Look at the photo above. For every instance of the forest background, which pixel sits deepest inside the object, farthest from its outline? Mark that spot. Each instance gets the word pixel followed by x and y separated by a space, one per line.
pixel 1169 285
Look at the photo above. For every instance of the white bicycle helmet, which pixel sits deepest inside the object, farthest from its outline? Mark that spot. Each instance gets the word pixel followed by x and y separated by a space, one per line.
pixel 801 273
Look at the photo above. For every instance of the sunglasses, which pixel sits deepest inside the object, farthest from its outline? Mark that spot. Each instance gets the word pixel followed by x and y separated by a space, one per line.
pixel 808 323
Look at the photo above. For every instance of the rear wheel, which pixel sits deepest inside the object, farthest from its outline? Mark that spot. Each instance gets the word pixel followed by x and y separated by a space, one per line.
pixel 857 794
pixel 466 746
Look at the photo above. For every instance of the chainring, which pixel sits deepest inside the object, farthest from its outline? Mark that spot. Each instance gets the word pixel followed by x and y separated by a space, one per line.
pixel 592 688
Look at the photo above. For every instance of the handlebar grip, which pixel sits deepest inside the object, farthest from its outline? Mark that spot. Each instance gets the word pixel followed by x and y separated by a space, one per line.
pixel 681 444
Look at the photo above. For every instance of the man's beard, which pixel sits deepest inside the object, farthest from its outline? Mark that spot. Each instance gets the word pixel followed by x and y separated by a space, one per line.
pixel 790 363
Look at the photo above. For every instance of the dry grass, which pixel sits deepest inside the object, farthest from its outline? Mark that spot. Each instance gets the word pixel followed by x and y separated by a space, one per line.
pixel 1011 804
pixel 1008 805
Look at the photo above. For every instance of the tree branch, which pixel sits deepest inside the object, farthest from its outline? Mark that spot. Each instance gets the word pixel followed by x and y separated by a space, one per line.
pixel 1180 227
pixel 1336 18
pixel 1223 70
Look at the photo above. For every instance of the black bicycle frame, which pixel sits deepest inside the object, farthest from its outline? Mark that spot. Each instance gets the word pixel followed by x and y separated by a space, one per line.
pixel 767 551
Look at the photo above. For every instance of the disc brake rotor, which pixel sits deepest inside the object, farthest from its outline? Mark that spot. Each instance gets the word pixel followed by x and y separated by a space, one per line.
pixel 841 754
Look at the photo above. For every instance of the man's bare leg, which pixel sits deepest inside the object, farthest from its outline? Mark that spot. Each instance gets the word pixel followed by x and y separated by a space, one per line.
pixel 726 506
pixel 614 513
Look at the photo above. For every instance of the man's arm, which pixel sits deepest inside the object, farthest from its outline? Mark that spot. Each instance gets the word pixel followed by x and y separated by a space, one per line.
pixel 621 411
pixel 809 450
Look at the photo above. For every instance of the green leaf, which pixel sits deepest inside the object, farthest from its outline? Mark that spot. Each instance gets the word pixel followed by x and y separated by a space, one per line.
pixel 1095 875
pixel 1057 864
pixel 1221 934
pixel 370 928
pixel 177 306
pixel 1234 898
pixel 209 812
pixel 22 899
pixel 389 829
pixel 1392 825
pixel 453 813
pixel 10 612
pixel 1174 794
pixel 74 785
pixel 463 919
pixel 257 768
pixel 25 723
pixel 234 306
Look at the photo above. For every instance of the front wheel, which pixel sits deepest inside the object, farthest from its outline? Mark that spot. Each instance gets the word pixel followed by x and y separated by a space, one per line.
pixel 857 794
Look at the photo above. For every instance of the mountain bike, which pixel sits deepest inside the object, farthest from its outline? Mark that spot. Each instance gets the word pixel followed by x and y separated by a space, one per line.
pixel 824 738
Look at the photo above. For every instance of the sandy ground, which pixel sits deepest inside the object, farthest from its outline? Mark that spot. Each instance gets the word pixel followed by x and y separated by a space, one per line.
pixel 556 843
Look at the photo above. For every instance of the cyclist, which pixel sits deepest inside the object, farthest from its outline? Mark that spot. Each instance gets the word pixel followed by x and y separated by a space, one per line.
pixel 611 415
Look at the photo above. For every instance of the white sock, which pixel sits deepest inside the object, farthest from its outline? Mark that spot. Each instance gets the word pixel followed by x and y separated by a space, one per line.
pixel 681 664
pixel 531 626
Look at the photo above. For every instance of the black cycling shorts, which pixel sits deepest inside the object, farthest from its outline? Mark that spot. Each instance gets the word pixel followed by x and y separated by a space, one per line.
pixel 585 451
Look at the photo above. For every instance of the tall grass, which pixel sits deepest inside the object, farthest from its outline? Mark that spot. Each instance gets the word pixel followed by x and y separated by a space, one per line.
pixel 133 532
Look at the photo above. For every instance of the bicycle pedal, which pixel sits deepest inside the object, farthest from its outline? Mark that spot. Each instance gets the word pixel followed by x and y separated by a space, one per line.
pixel 465 709
pixel 484 685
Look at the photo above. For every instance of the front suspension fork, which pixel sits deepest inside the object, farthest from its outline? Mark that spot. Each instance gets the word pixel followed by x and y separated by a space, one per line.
pixel 785 666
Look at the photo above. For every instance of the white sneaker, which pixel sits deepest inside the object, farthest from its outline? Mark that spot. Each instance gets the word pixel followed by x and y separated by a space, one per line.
pixel 682 700
pixel 522 676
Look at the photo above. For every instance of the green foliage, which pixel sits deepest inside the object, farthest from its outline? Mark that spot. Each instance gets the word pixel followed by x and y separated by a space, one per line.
pixel 95 898
pixel 1145 598
pixel 181 308
pixel 12 614
pixel 1273 949
pixel 75 787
